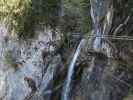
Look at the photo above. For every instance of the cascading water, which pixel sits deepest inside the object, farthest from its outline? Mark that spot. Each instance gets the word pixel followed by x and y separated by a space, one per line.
pixel 97 15
pixel 66 89
pixel 97 41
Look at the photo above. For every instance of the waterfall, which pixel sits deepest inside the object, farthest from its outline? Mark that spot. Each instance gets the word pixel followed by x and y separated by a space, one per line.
pixel 67 85
pixel 96 15
pixel 97 41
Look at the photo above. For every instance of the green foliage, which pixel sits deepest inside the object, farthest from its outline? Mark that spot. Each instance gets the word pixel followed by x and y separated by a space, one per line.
pixel 71 23
pixel 10 60
pixel 46 11
pixel 79 12
pixel 22 15
pixel 15 13
pixel 130 94
pixel 130 97
pixel 86 17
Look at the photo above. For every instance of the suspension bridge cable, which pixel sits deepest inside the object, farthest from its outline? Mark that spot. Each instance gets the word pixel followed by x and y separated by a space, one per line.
pixel 125 38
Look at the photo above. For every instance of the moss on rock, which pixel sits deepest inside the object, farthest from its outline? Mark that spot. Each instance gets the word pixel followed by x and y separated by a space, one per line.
pixel 10 60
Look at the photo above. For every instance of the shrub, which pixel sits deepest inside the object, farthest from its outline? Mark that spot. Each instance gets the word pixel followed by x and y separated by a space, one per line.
pixel 10 60
pixel 15 13
pixel 22 15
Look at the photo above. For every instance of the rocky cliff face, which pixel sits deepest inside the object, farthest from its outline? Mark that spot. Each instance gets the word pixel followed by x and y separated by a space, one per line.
pixel 29 67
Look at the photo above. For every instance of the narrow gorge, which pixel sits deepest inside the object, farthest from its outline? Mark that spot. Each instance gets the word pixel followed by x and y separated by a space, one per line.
pixel 66 50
